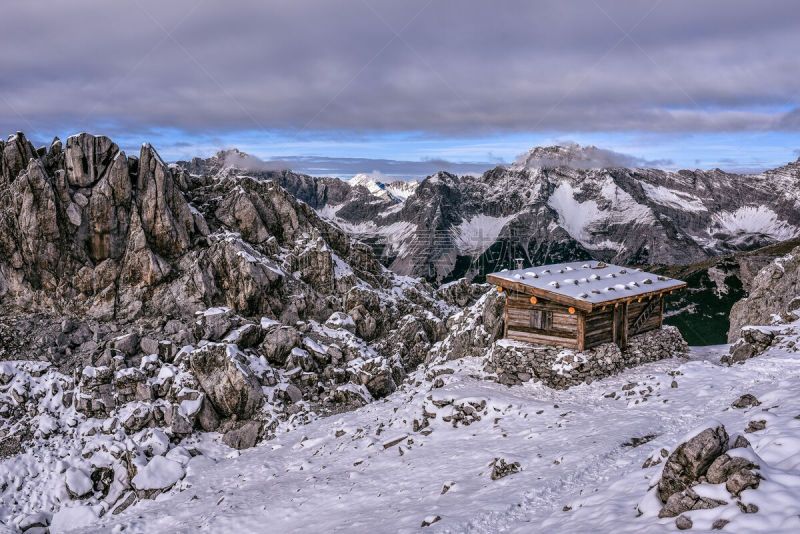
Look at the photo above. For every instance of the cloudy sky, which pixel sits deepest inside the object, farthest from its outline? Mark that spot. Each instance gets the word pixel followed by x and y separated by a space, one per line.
pixel 406 87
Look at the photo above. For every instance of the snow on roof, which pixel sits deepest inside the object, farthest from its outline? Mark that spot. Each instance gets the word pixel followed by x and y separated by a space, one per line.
pixel 589 281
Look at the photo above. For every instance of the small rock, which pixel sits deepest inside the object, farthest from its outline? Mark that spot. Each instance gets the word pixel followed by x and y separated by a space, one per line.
pixel 755 426
pixel 683 523
pixel 392 442
pixel 127 344
pixel 690 460
pixel 102 478
pixel 294 393
pixel 747 508
pixel 124 503
pixel 719 524
pixel 502 469
pixel 207 418
pixel 740 442
pixel 39 519
pixel 244 437
pixel 428 521
pixel 686 501
pixel 742 480
pixel 724 466
pixel 745 401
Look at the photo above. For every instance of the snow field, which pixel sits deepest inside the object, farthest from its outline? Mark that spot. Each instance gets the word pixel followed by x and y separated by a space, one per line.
pixel 375 470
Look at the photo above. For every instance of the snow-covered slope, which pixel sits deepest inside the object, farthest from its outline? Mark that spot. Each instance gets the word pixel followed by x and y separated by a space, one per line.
pixel 580 456
pixel 456 451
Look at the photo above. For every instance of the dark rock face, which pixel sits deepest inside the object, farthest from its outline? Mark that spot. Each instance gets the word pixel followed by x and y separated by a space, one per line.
pixel 87 157
pixel 774 291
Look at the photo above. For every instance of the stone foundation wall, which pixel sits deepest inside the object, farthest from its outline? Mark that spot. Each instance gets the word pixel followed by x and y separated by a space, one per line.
pixel 515 362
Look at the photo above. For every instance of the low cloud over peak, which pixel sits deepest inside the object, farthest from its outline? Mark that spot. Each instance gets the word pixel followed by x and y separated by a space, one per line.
pixel 571 154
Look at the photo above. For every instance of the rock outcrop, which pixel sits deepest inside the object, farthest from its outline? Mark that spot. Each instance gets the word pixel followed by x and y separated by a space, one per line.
pixel 708 457
pixel 91 233
pixel 472 331
pixel 754 341
pixel 774 295
pixel 690 460
pixel 163 303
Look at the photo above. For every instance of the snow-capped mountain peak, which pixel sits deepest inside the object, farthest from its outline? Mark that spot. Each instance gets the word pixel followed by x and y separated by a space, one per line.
pixel 398 190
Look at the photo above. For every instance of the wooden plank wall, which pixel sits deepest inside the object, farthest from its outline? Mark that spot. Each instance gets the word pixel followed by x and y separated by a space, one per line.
pixel 564 332
pixel 653 322
pixel 578 330
pixel 599 327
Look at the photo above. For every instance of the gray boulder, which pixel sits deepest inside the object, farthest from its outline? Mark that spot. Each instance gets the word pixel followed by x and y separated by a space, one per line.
pixel 227 380
pixel 753 342
pixel 214 323
pixel 244 436
pixel 279 342
pixel 690 460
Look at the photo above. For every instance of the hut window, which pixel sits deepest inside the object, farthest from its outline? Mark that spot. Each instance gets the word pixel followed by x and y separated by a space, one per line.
pixel 542 320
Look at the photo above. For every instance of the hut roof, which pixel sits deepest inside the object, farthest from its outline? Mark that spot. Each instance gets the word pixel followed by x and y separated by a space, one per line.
pixel 586 283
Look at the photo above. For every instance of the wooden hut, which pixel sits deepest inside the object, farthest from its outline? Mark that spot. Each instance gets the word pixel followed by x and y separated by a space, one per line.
pixel 582 304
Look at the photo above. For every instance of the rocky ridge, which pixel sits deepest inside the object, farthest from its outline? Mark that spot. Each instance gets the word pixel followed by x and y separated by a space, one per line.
pixel 161 303
pixel 454 226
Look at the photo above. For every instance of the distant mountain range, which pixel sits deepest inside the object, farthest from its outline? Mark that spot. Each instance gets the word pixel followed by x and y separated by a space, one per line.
pixel 553 204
